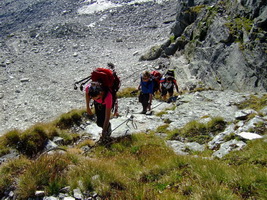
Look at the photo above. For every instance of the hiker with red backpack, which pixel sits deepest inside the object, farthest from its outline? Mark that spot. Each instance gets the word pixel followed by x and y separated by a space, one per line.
pixel 146 94
pixel 103 104
pixel 103 88
pixel 156 77
pixel 167 84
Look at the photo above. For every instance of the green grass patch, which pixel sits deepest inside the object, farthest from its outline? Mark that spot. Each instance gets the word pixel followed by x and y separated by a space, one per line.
pixel 254 102
pixel 237 26
pixel 10 171
pixel 195 131
pixel 127 92
pixel 68 120
pixel 255 153
pixel 46 173
pixel 141 166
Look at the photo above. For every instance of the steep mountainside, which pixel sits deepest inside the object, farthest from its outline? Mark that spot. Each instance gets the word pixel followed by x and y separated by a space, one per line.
pixel 224 43
pixel 46 45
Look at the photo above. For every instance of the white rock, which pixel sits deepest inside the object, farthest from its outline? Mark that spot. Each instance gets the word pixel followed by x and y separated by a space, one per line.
pixel 249 136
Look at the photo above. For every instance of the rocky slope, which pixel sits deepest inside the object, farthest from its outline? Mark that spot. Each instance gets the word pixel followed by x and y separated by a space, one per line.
pixel 47 45
pixel 224 43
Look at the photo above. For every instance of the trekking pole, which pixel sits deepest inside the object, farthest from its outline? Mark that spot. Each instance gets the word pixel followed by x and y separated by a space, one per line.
pixel 77 82
pixel 157 105
pixel 126 121
pixel 131 119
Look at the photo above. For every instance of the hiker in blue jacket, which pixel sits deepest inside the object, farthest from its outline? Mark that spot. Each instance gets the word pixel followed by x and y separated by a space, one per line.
pixel 146 86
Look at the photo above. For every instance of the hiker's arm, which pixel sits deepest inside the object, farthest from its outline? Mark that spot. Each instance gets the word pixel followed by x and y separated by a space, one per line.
pixel 88 109
pixel 106 122
pixel 139 87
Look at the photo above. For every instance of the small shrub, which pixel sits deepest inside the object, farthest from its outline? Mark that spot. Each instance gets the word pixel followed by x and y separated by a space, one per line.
pixel 12 138
pixel 33 140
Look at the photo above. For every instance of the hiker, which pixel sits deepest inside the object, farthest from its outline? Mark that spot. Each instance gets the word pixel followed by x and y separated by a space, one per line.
pixel 103 104
pixel 167 84
pixel 146 86
pixel 156 77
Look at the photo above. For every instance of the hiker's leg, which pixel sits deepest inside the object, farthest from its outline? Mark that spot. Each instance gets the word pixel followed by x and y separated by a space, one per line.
pixel 100 113
pixel 145 102
pixel 170 91
pixel 109 130
pixel 116 108
pixel 163 93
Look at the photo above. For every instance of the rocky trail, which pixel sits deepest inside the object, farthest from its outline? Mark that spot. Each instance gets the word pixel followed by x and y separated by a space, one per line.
pixel 48 45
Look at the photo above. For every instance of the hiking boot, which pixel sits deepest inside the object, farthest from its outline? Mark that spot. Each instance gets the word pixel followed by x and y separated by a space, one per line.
pixel 104 140
pixel 150 112
pixel 142 112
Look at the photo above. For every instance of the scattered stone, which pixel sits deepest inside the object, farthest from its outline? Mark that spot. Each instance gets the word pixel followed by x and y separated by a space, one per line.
pixel 219 138
pixel 58 140
pixel 242 114
pixel 65 189
pixel 249 136
pixel 40 193
pixel 77 194
pixel 50 145
pixel 11 194
pixel 51 198
pixel 177 146
pixel 264 111
pixel 194 146
pixel 69 198
pixel 232 145
pixel 23 80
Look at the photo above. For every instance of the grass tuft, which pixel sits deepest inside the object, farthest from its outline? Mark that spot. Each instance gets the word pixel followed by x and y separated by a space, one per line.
pixel 68 120
pixel 127 92
pixel 195 131
pixel 254 102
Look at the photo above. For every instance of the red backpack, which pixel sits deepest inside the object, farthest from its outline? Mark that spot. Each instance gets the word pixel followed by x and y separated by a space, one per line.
pixel 103 76
pixel 156 75
pixel 107 78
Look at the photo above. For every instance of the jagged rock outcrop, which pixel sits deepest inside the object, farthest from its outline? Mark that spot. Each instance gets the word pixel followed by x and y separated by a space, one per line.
pixel 224 42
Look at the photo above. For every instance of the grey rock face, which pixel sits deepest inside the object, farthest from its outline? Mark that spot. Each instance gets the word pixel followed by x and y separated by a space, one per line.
pixel 222 53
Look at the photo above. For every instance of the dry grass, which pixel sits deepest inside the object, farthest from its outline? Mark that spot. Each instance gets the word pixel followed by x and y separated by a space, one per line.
pixel 140 166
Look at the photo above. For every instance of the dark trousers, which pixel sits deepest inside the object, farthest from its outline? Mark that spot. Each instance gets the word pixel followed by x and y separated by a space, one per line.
pixel 143 99
pixel 100 111
pixel 164 91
